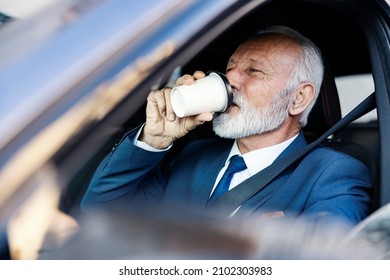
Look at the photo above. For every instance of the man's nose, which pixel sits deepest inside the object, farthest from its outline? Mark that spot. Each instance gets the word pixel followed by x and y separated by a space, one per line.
pixel 233 77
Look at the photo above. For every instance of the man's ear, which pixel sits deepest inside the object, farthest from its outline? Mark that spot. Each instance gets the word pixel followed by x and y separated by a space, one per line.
pixel 302 98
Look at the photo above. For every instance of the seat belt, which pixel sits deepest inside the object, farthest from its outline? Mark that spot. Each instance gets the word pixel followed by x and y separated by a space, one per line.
pixel 234 198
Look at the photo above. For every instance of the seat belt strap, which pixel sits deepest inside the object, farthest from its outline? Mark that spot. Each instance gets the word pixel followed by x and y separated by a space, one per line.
pixel 234 198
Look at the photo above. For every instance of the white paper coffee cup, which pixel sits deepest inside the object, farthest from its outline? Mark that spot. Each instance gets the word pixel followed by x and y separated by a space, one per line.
pixel 212 93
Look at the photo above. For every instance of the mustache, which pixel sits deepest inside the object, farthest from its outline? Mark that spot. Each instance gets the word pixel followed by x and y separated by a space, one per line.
pixel 239 99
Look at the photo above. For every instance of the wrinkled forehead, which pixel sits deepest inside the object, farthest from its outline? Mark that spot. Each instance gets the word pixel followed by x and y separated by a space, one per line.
pixel 269 44
pixel 269 50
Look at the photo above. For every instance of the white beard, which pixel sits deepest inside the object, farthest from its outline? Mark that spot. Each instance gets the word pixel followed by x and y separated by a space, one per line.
pixel 250 120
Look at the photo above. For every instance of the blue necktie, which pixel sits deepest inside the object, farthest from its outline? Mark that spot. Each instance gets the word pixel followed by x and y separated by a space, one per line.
pixel 236 164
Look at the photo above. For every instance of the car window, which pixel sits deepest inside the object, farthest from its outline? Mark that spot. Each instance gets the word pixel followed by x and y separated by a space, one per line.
pixel 353 89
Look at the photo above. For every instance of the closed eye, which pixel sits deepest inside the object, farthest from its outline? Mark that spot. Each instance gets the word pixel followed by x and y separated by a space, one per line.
pixel 254 70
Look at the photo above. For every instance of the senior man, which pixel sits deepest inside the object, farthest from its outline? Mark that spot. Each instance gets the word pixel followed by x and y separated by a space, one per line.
pixel 276 76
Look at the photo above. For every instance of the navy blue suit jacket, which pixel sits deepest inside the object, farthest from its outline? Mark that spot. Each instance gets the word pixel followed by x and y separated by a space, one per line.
pixel 326 183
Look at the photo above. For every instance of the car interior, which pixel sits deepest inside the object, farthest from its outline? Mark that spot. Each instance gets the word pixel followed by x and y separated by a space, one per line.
pixel 340 36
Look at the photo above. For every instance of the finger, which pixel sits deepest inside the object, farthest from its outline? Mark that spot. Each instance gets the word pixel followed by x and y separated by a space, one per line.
pixel 159 102
pixel 204 117
pixel 185 80
pixel 169 111
pixel 199 75
pixel 152 106
pixel 194 121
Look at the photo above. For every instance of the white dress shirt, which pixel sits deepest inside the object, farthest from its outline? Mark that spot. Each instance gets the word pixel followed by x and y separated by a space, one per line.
pixel 255 160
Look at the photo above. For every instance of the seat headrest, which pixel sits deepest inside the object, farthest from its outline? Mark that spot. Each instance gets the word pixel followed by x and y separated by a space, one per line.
pixel 326 112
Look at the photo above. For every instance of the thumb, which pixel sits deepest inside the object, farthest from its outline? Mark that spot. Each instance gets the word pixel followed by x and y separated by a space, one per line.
pixel 204 117
pixel 192 122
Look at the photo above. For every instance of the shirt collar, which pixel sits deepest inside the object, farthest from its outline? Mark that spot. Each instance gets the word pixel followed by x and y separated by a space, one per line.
pixel 259 159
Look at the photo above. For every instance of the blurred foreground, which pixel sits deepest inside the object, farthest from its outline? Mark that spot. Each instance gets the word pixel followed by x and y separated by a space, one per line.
pixel 172 234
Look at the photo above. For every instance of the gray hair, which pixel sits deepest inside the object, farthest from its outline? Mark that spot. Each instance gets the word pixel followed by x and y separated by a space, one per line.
pixel 310 67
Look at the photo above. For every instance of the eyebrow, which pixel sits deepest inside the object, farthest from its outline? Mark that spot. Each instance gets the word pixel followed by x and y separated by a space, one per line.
pixel 231 60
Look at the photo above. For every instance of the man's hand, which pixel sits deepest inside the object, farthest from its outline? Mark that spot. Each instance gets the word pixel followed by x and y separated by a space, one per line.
pixel 162 126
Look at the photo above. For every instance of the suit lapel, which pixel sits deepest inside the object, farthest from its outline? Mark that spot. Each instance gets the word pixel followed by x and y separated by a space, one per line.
pixel 255 198
pixel 254 202
pixel 208 172
pixel 298 144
